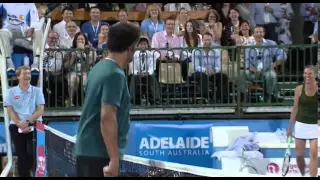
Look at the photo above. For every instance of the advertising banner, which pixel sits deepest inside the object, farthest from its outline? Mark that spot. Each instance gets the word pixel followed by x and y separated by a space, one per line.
pixel 182 143
pixel 41 157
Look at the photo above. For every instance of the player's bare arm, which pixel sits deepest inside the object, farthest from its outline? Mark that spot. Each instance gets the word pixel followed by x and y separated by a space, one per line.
pixel 109 130
pixel 297 93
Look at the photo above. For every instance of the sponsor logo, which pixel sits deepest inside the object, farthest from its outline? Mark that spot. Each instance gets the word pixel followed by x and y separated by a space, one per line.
pixel 169 146
pixel 274 168
pixel 16 97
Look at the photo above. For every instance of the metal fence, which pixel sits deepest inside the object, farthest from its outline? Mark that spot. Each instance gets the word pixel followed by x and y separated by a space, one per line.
pixel 188 78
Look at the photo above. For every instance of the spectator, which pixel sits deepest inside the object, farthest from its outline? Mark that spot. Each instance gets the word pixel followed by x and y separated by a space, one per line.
pixel 244 11
pixel 174 7
pixel 78 63
pixel 42 10
pixel 266 15
pixel 52 61
pixel 259 62
pixel 152 22
pixel 21 21
pixel 103 36
pixel 167 39
pixel 180 23
pixel 213 26
pixel 91 28
pixel 283 28
pixel 60 28
pixel 191 38
pixel 310 14
pixel 245 33
pixel 140 7
pixel 123 16
pixel 143 66
pixel 223 11
pixel 67 38
pixel 231 30
pixel 101 6
pixel 207 67
pixel 52 65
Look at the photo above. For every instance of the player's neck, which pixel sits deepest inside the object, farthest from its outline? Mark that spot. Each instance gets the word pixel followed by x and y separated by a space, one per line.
pixel 118 58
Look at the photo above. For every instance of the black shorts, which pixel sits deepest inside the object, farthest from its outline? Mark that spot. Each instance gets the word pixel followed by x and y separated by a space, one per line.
pixel 90 166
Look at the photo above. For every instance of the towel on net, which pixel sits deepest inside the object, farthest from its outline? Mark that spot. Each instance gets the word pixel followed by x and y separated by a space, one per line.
pixel 243 146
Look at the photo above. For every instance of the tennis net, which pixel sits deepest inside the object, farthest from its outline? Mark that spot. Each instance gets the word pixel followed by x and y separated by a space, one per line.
pixel 61 162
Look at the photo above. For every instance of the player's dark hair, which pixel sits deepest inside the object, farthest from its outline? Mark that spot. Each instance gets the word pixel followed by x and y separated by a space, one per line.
pixel 122 36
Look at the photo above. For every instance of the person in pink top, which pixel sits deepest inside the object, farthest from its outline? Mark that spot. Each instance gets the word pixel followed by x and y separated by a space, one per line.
pixel 167 40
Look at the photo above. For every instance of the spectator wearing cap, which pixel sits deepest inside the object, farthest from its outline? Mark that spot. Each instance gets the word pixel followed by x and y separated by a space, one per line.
pixel 143 66
pixel 61 27
pixel 259 63
pixel 310 14
pixel 91 28
pixel 266 15
pixel 152 22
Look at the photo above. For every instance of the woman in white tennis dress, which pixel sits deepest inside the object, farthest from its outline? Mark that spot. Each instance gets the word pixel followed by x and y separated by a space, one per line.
pixel 305 117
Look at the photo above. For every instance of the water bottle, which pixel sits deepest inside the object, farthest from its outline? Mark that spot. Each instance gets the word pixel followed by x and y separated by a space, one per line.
pixel 283 136
pixel 26 60
pixel 278 133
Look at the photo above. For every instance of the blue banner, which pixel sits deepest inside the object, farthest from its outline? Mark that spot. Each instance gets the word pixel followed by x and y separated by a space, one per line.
pixel 41 155
pixel 186 144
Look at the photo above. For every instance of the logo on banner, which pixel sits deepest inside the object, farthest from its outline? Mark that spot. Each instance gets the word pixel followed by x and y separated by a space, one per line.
pixel 170 146
pixel 273 168
pixel 41 162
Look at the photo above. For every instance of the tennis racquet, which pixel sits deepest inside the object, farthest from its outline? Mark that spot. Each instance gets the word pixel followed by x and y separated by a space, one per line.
pixel 286 159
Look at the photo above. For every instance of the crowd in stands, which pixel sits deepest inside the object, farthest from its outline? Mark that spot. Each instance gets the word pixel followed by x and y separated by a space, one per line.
pixel 225 24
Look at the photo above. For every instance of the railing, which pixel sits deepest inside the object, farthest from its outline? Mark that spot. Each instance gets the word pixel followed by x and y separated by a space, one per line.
pixel 174 79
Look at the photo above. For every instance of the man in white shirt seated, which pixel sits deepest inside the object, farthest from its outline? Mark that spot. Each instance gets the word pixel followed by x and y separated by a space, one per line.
pixel 143 66
pixel 21 27
pixel 60 28
pixel 206 64
pixel 52 65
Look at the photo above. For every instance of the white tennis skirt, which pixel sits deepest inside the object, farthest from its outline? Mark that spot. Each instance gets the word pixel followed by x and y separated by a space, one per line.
pixel 305 131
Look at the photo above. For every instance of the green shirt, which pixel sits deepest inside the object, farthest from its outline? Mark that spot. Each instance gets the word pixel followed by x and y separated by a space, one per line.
pixel 307 108
pixel 107 84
